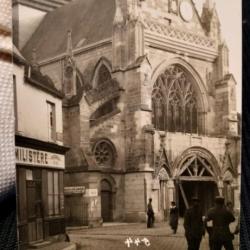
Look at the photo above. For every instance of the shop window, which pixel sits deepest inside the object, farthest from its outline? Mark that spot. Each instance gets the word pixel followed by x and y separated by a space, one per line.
pixel 53 193
pixel 51 121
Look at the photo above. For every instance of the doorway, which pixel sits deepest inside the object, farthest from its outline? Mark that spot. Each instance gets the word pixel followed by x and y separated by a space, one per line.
pixel 34 205
pixel 106 201
pixel 205 191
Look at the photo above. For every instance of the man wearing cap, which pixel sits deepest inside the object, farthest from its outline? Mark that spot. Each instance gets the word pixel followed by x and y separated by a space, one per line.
pixel 194 226
pixel 221 217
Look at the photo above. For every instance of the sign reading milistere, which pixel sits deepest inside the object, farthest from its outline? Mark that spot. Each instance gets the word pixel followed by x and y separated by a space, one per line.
pixel 28 156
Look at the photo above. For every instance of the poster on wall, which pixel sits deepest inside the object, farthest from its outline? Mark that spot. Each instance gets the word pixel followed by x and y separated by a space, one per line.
pixel 128 123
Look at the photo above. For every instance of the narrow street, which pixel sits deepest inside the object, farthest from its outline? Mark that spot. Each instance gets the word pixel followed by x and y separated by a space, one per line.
pixel 133 236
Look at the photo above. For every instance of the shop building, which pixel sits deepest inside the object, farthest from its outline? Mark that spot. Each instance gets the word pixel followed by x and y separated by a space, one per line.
pixel 40 154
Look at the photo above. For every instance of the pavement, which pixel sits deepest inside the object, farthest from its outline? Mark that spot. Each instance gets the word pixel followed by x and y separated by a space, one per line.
pixel 56 246
pixel 134 236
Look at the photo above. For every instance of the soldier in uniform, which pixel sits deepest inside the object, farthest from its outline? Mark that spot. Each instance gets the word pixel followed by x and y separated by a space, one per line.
pixel 221 217
pixel 150 213
pixel 194 226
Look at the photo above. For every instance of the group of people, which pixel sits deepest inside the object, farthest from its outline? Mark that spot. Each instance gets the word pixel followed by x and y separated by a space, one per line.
pixel 216 223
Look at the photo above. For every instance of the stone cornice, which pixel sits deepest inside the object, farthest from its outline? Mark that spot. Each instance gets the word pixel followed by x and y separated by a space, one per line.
pixel 77 51
pixel 181 47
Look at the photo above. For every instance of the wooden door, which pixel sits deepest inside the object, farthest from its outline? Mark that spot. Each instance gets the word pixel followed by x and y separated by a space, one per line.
pixel 35 220
pixel 106 201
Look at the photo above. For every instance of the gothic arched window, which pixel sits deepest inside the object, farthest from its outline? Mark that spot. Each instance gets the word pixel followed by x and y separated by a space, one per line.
pixel 103 75
pixel 174 102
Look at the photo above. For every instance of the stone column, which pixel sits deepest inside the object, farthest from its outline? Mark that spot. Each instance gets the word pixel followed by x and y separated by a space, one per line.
pixel 170 186
pixel 220 187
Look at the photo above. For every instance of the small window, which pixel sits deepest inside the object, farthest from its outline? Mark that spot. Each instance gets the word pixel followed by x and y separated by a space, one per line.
pixel 53 193
pixel 104 154
pixel 51 121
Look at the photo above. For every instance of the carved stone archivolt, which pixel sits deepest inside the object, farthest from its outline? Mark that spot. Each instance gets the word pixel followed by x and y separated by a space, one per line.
pixel 161 162
pixel 197 162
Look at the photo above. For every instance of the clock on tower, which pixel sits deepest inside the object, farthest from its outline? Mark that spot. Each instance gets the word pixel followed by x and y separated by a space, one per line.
pixel 186 10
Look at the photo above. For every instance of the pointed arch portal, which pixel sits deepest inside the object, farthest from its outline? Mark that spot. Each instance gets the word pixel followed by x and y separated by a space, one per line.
pixel 197 176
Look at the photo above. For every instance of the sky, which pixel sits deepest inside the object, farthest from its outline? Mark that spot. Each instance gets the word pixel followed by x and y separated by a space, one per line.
pixel 229 12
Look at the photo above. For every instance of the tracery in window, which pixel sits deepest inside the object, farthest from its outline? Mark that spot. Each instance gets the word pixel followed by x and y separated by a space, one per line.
pixel 104 153
pixel 103 75
pixel 174 102
pixel 104 111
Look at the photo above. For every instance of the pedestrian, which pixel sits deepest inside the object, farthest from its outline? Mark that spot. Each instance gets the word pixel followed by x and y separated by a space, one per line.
pixel 173 217
pixel 209 228
pixel 194 226
pixel 150 213
pixel 221 217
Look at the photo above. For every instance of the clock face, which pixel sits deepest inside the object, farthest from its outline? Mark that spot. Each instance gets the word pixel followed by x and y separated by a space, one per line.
pixel 186 11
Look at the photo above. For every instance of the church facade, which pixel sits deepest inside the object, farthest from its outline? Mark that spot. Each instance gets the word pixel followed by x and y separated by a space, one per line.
pixel 149 107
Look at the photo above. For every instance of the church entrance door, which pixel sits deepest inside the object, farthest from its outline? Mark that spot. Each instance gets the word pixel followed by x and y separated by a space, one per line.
pixel 205 191
pixel 197 177
pixel 106 201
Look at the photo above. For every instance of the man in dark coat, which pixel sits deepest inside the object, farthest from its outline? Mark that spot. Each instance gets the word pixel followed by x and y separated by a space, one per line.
pixel 173 217
pixel 150 213
pixel 221 217
pixel 194 226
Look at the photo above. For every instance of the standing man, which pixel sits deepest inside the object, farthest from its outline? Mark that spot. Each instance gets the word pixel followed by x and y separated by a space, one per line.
pixel 173 217
pixel 150 213
pixel 221 217
pixel 194 226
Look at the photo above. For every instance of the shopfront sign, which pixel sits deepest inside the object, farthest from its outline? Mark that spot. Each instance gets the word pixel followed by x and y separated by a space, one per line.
pixel 33 157
pixel 92 192
pixel 74 190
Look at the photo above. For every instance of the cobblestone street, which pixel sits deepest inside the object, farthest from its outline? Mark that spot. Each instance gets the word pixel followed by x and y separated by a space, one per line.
pixel 114 238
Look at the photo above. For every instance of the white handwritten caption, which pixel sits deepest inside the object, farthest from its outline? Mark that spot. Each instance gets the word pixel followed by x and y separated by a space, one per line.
pixel 129 241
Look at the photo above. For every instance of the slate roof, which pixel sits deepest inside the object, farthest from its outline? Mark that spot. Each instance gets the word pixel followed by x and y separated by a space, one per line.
pixel 43 5
pixel 43 82
pixel 89 20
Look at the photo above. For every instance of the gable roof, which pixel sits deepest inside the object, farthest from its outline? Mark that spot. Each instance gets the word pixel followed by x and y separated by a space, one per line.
pixel 89 20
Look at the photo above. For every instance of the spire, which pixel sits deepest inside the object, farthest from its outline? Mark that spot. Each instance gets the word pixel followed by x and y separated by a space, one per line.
pixel 134 13
pixel 209 4
pixel 69 44
pixel 118 19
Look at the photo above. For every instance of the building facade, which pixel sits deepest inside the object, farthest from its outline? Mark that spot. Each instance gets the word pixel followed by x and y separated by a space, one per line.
pixel 149 108
pixel 40 154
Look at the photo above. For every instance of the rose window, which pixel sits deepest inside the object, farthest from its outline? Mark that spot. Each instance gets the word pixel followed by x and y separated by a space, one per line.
pixel 104 154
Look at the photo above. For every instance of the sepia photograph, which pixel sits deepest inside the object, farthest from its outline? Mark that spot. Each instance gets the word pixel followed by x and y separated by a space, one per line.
pixel 127 124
